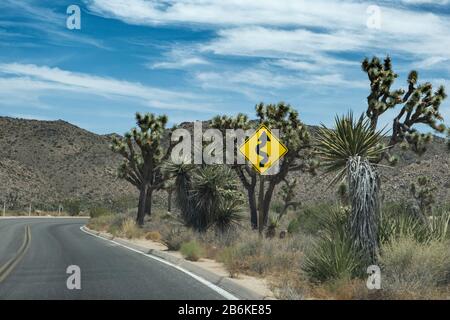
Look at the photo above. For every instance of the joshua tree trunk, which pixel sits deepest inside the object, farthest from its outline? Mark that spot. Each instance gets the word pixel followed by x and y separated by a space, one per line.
pixel 142 207
pixel 266 203
pixel 169 200
pixel 253 208
pixel 365 207
pixel 261 205
pixel 148 203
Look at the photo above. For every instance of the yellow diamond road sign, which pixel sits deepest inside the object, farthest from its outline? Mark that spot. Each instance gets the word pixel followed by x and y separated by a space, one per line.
pixel 263 149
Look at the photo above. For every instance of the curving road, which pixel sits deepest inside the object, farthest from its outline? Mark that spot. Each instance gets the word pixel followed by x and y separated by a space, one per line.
pixel 108 271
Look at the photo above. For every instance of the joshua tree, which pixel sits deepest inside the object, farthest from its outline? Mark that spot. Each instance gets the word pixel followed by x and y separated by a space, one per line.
pixel 246 174
pixel 350 149
pixel 288 195
pixel 293 134
pixel 417 105
pixel 142 150
pixel 423 194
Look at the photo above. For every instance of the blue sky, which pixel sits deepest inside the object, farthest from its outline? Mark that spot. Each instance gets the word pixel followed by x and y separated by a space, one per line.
pixel 194 59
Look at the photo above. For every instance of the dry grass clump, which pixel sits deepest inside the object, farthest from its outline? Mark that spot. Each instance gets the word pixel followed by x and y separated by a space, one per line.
pixel 130 230
pixel 258 256
pixel 101 223
pixel 174 238
pixel 192 250
pixel 415 270
pixel 153 235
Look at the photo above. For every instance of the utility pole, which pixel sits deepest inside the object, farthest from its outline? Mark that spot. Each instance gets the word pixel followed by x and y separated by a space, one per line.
pixel 4 208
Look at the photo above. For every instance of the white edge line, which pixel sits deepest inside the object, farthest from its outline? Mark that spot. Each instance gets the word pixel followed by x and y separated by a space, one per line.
pixel 210 285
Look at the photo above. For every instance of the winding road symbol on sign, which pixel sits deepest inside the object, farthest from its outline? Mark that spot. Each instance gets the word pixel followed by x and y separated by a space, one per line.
pixel 263 149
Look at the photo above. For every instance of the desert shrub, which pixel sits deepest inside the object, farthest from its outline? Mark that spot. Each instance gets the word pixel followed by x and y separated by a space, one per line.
pixel 115 223
pixel 410 267
pixel 175 237
pixel 229 257
pixel 332 258
pixel 101 223
pixel 345 289
pixel 123 203
pixel 397 224
pixel 277 207
pixel 290 286
pixel 310 217
pixel 293 226
pixel 192 250
pixel 438 226
pixel 72 206
pixel 153 235
pixel 334 255
pixel 130 229
pixel 98 211
pixel 255 256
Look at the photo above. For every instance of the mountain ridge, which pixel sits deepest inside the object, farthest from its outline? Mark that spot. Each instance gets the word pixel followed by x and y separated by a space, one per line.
pixel 46 162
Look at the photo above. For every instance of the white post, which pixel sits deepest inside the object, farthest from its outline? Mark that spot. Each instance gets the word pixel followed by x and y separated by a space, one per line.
pixel 29 210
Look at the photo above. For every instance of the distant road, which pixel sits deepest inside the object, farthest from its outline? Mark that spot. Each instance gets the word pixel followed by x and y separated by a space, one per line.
pixel 108 271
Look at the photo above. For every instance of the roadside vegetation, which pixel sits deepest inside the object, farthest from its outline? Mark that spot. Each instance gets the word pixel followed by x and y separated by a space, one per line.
pixel 255 226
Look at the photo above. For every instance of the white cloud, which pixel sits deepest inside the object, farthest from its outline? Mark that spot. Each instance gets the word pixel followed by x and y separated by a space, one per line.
pixel 260 81
pixel 181 63
pixel 230 12
pixel 294 31
pixel 33 81
pixel 436 2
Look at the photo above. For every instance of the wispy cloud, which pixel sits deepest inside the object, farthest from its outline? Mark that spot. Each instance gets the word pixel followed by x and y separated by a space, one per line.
pixel 294 33
pixel 44 21
pixel 179 58
pixel 20 78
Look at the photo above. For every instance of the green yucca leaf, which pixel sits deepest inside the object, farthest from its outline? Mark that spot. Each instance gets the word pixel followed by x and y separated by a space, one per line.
pixel 349 138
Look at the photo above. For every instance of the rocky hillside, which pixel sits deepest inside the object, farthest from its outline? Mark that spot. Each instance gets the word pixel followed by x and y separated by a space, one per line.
pixel 47 162
pixel 396 181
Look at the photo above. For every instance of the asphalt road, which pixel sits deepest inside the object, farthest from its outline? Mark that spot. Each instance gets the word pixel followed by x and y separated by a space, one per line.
pixel 108 271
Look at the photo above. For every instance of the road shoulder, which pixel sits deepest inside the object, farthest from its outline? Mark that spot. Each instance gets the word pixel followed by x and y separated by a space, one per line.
pixel 245 287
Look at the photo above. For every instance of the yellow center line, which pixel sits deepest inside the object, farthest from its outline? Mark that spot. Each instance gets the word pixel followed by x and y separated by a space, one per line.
pixel 9 266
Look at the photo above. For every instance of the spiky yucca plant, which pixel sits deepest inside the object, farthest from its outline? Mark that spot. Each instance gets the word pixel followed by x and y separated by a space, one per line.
pixel 207 196
pixel 181 174
pixel 349 139
pixel 215 198
pixel 349 150
pixel 334 255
